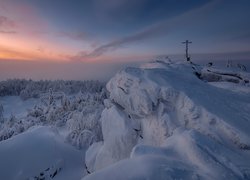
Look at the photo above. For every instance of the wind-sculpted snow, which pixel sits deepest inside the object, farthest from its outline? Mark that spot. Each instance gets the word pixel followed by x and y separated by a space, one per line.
pixel 166 122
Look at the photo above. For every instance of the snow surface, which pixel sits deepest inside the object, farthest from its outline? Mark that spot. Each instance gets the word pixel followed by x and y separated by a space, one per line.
pixel 16 106
pixel 34 151
pixel 231 86
pixel 163 121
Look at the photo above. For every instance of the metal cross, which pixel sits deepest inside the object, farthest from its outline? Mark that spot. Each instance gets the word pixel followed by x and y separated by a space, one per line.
pixel 187 55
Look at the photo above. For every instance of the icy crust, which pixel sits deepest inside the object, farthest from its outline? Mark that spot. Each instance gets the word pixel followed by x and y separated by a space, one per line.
pixel 169 124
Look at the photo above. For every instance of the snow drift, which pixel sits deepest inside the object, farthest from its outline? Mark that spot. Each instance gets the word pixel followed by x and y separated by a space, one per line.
pixel 39 153
pixel 162 121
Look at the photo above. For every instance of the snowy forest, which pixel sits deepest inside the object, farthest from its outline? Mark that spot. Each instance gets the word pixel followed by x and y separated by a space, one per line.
pixel 57 103
pixel 33 89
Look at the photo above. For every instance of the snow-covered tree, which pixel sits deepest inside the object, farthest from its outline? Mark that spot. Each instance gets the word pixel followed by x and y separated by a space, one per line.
pixel 209 64
pixel 242 67
pixel 229 64
pixel 1 113
pixel 65 103
pixel 51 97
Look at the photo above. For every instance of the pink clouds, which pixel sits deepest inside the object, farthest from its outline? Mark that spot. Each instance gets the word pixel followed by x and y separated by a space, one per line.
pixel 7 26
pixel 6 22
pixel 25 17
pixel 24 31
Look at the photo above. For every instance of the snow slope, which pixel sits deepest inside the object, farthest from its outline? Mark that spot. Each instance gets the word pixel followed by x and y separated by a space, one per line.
pixel 39 152
pixel 163 121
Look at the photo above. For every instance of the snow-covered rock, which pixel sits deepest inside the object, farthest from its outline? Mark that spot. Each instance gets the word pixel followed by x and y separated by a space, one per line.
pixel 214 75
pixel 129 89
pixel 119 137
pixel 174 126
pixel 91 154
pixel 186 155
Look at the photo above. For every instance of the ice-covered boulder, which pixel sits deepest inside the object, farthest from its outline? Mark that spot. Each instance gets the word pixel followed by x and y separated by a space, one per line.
pixel 130 90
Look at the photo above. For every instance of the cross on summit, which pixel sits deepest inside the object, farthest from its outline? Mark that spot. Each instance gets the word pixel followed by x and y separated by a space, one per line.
pixel 187 55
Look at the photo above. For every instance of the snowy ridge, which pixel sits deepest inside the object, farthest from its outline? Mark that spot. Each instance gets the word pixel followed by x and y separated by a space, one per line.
pixel 163 122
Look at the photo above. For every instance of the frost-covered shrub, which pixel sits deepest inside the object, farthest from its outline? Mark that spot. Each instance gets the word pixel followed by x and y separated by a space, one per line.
pixel 65 103
pixel 85 126
pixel 14 126
pixel 24 94
pixel 37 111
pixel 242 67
pixel 81 139
pixel 85 120
pixel 81 114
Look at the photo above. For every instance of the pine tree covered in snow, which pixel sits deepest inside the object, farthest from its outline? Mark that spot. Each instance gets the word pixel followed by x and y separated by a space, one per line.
pixel 1 113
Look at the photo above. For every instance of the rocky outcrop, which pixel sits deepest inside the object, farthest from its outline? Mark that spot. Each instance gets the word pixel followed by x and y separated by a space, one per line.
pixel 163 109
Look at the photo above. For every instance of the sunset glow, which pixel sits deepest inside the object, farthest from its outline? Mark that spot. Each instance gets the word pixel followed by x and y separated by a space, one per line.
pixel 101 31
pixel 26 35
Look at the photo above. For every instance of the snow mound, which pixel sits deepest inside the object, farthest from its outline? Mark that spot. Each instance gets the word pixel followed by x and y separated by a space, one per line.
pixel 24 157
pixel 166 122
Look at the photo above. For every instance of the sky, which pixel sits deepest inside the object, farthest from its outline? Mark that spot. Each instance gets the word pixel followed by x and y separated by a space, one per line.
pixel 52 38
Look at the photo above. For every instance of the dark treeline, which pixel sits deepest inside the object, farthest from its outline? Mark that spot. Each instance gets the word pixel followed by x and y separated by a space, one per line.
pixel 29 88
